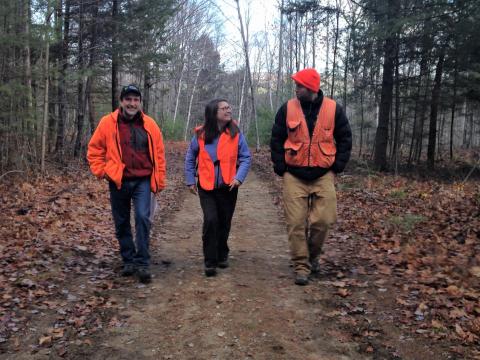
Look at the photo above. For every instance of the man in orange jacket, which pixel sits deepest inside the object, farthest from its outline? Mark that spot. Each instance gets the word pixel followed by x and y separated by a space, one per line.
pixel 311 142
pixel 127 150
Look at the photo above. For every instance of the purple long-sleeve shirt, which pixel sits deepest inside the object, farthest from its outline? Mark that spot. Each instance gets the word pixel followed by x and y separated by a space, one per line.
pixel 244 160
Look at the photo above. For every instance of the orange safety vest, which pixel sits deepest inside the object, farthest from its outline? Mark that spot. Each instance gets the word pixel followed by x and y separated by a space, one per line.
pixel 227 153
pixel 300 149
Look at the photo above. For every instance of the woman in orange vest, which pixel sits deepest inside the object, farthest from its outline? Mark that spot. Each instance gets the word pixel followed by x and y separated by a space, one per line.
pixel 219 156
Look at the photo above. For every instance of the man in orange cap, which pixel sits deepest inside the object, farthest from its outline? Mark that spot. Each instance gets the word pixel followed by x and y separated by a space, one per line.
pixel 311 142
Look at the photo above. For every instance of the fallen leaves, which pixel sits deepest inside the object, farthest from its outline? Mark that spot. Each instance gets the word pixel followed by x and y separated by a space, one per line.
pixel 465 335
pixel 343 292
pixel 419 239
pixel 45 340
pixel 475 271
pixel 59 251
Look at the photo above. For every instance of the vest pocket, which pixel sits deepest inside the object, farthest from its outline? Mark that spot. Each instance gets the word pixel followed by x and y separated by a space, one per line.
pixel 294 153
pixel 327 148
pixel 293 125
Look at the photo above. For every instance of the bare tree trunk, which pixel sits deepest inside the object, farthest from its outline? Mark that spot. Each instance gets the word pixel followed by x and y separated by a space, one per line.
pixel 91 63
pixel 297 46
pixel 177 99
pixel 115 57
pixel 327 54
pixel 432 135
pixel 361 123
pixel 345 73
pixel 335 47
pixel 240 106
pixel 396 134
pixel 269 65
pixel 381 136
pixel 415 121
pixel 62 85
pixel 305 38
pixel 46 69
pixel 421 124
pixel 80 85
pixel 280 58
pixel 28 67
pixel 427 45
pixel 454 101
pixel 314 33
pixel 146 89
pixel 440 135
pixel 247 61
pixel 290 54
pixel 190 103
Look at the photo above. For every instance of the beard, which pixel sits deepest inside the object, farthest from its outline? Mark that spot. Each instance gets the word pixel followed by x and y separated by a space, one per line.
pixel 130 111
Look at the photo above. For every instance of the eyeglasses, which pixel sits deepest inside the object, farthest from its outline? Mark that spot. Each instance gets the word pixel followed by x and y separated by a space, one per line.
pixel 225 108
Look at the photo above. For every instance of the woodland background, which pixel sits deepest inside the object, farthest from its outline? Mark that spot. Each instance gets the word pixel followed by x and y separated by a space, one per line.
pixel 401 272
pixel 406 71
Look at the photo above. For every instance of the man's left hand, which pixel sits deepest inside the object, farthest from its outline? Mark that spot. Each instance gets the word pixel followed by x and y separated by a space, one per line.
pixel 234 184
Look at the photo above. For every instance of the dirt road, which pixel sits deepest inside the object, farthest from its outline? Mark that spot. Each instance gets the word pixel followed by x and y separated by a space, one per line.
pixel 376 297
pixel 250 310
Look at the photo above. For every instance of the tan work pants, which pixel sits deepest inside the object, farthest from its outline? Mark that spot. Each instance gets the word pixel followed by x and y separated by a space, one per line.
pixel 310 211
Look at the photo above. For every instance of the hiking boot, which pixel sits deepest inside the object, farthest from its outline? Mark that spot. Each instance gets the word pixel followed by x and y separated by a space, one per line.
pixel 301 279
pixel 210 271
pixel 128 270
pixel 314 267
pixel 223 264
pixel 144 275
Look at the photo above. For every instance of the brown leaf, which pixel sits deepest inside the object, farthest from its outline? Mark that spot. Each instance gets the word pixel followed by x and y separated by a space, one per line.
pixel 464 335
pixel 422 307
pixel 62 352
pixel 475 271
pixel 437 324
pixel 333 313
pixel 340 284
pixel 385 270
pixel 58 333
pixel 402 302
pixel 343 292
pixel 454 291
pixel 457 313
pixel 45 340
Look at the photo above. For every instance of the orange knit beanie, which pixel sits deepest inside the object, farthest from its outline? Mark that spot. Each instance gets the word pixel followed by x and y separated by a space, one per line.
pixel 309 78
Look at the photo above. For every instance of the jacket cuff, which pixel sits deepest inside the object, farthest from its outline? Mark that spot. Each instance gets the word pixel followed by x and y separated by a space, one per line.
pixel 337 168
pixel 280 169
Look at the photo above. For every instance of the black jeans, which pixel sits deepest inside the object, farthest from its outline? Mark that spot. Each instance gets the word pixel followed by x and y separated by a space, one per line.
pixel 218 206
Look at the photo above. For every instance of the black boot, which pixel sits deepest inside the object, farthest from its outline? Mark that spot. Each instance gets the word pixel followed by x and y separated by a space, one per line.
pixel 210 271
pixel 144 275
pixel 128 270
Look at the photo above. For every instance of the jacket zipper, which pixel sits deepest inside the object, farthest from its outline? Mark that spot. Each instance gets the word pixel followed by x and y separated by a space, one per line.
pixel 118 145
pixel 218 173
pixel 153 158
pixel 310 136
pixel 309 147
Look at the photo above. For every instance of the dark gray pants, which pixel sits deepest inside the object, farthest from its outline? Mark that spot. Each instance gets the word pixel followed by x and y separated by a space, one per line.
pixel 218 206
